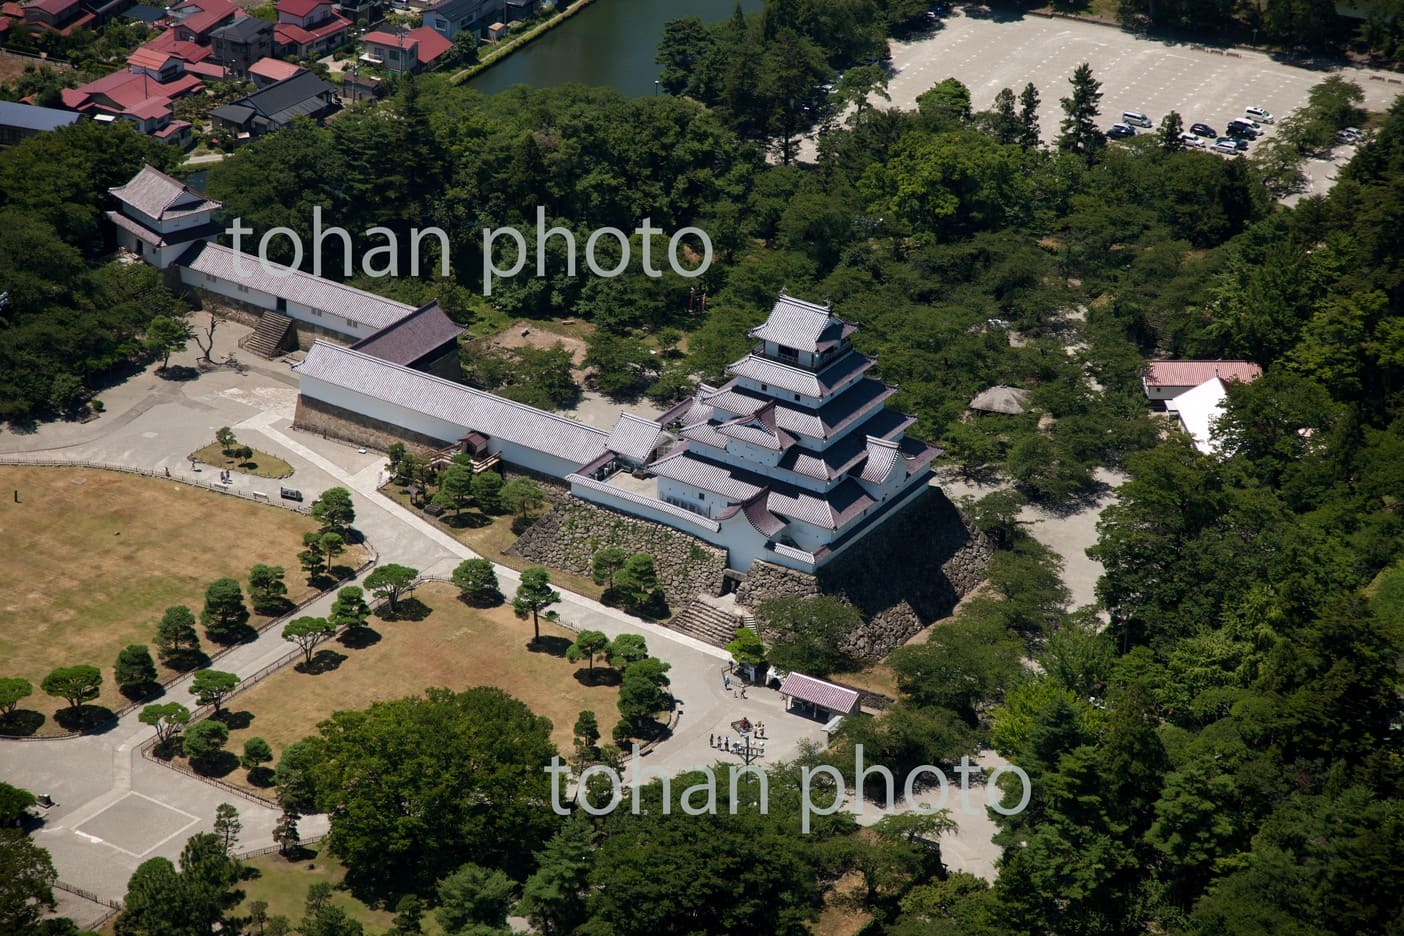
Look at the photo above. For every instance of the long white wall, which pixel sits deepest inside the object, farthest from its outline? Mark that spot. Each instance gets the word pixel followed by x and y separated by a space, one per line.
pixel 337 325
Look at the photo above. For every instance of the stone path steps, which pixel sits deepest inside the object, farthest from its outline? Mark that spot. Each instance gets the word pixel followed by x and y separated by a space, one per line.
pixel 269 337
pixel 706 623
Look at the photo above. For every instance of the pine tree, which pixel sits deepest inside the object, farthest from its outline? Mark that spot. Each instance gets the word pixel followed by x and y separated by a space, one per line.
pixel 1080 133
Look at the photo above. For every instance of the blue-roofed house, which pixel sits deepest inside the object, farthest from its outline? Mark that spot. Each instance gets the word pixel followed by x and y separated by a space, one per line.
pixel 18 121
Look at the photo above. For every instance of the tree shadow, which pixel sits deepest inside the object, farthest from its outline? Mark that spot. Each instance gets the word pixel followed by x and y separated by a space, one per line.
pixel 90 718
pixel 167 749
pixel 323 661
pixel 141 692
pixel 600 676
pixel 178 372
pixel 359 638
pixel 275 607
pixel 470 520
pixel 406 609
pixel 229 636
pixel 219 764
pixel 234 721
pixel 261 777
pixel 21 723
pixel 340 573
pixel 521 524
pixel 493 600
pixel 551 645
pixel 183 661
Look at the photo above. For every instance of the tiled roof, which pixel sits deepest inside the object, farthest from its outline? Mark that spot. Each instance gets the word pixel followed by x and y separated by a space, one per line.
pixel 455 403
pixel 1001 399
pixel 797 379
pixel 29 117
pixel 145 57
pixel 802 325
pixel 305 94
pixel 759 429
pixel 679 465
pixel 1194 373
pixel 836 460
pixel 412 337
pixel 634 437
pixel 357 305
pixel 120 90
pixel 704 433
pixel 820 693
pixel 160 196
pixel 882 456
pixel 860 399
pixel 760 517
pixel 830 510
pixel 274 69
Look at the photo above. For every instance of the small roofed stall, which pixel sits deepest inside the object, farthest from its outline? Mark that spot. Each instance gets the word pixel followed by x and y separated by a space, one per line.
pixel 817 699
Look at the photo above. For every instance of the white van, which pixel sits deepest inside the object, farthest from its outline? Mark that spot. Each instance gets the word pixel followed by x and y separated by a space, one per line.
pixel 1257 114
pixel 1136 119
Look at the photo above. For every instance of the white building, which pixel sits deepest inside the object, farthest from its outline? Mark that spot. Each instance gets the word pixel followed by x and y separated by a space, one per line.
pixel 161 217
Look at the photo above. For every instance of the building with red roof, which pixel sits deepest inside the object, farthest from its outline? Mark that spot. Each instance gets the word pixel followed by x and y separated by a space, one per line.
pixel 62 16
pixel 413 51
pixel 267 71
pixel 1165 380
pixel 141 93
pixel 308 27
pixel 197 19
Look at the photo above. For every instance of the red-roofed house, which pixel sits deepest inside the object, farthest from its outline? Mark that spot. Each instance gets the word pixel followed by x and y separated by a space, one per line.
pixel 61 16
pixel 267 71
pixel 199 18
pixel 1165 380
pixel 142 93
pixel 417 50
pixel 308 27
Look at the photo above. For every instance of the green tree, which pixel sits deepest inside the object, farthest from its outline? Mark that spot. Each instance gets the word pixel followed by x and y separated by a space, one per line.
pixel 285 833
pixel 227 827
pixel 135 671
pixel 1079 131
pixel 641 693
pixel 176 639
pixel 1028 117
pixel 946 103
pixel 521 496
pixel 747 648
pixel 474 896
pixel 266 586
pixel 349 610
pixel 606 564
pixel 27 879
pixel 203 740
pixel 587 738
pixel 257 752
pixel 553 898
pixel 626 649
pixel 637 579
pixel 228 442
pixel 588 644
pixel 409 911
pixel 331 545
pixel 15 804
pixel 1168 135
pixel 487 491
pixel 476 580
pixel 293 775
pixel 807 634
pixel 12 691
pixel 1004 119
pixel 464 749
pixel 168 718
pixel 391 581
pixel 75 684
pixel 224 617
pixel 308 633
pixel 334 510
pixel 533 596
pixel 455 488
pixel 212 687
pixel 312 558
pixel 164 336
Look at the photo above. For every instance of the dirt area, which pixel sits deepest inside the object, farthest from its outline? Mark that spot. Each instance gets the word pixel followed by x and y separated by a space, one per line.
pixel 534 335
pixel 12 65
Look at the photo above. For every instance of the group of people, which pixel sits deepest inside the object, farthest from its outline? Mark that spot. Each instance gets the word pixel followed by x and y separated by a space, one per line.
pixel 724 743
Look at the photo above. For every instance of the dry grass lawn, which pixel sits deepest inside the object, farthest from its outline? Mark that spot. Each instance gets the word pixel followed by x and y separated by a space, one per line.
pixel 93 559
pixel 455 645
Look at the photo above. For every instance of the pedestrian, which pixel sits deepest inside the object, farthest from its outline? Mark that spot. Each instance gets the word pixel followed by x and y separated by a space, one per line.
pixel 743 692
pixel 711 740
pixel 168 471
pixel 726 681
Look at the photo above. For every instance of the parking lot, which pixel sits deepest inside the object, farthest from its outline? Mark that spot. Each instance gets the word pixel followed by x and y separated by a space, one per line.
pixel 1147 75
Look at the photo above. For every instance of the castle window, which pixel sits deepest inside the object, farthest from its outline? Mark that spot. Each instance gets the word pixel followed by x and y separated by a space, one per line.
pixel 764 387
pixel 701 495
pixel 797 396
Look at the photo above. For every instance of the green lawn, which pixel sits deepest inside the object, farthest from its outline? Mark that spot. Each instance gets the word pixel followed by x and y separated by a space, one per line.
pixel 260 464
pixel 283 884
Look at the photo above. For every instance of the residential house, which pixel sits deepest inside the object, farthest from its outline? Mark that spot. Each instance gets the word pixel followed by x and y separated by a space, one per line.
pixel 142 94
pixel 268 71
pixel 18 121
pixel 308 28
pixel 402 53
pixel 514 10
pixel 1165 380
pixel 303 95
pixel 61 16
pixel 196 20
pixel 448 18
pixel 239 44
pixel 160 217
pixel 356 87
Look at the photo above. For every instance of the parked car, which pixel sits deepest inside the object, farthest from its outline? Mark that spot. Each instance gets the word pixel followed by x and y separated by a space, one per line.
pixel 1204 130
pixel 1240 131
pixel 1136 119
pixel 1351 135
pixel 1229 145
pixel 1119 130
pixel 1259 114
pixel 1189 139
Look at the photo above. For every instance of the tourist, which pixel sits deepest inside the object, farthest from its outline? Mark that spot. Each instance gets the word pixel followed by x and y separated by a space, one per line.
pixel 711 740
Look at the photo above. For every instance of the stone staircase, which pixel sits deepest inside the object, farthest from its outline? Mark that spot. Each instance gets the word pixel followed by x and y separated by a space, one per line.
pixel 707 623
pixel 269 339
